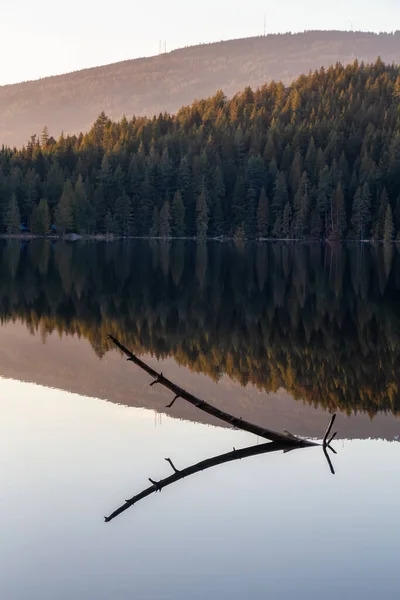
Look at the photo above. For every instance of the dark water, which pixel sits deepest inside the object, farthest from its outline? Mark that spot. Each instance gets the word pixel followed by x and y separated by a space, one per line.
pixel 279 335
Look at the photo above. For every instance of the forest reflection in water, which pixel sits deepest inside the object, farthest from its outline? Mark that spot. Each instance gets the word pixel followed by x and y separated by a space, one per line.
pixel 320 321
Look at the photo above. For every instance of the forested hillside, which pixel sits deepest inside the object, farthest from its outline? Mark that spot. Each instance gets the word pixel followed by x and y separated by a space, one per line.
pixel 147 86
pixel 319 159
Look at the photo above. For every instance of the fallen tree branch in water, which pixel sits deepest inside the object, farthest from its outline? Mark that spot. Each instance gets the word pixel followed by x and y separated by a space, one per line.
pixel 157 486
pixel 278 441
pixel 238 423
pixel 325 441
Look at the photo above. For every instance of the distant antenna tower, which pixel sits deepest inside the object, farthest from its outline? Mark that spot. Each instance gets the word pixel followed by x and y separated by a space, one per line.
pixel 165 47
pixel 265 25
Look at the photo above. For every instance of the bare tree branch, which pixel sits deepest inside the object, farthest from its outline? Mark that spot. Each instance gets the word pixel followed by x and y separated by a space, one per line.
pixel 201 466
pixel 278 441
pixel 325 440
pixel 172 465
pixel 208 408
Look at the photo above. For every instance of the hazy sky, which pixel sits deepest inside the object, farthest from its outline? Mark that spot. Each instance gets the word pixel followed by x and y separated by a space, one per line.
pixel 47 37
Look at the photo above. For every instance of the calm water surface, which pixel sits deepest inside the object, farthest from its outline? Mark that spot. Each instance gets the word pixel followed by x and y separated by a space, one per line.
pixel 278 335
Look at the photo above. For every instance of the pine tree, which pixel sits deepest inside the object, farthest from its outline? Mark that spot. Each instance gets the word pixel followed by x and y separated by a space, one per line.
pixel 165 221
pixel 279 201
pixel 178 215
pixel 44 137
pixel 379 224
pixel 40 222
pixel 110 223
pixel 123 213
pixel 238 202
pixel 287 222
pixel 64 219
pixel 296 171
pixel 310 160
pixel 54 184
pixel 12 219
pixel 155 226
pixel 218 213
pixel 356 219
pixel 301 208
pixel 250 213
pixel 338 214
pixel 389 229
pixel 202 217
pixel 81 207
pixel 263 215
pixel 324 194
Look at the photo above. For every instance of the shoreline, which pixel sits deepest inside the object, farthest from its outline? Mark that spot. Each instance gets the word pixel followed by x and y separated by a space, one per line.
pixel 222 239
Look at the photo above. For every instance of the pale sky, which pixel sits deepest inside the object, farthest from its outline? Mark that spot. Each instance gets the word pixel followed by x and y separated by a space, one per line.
pixel 47 37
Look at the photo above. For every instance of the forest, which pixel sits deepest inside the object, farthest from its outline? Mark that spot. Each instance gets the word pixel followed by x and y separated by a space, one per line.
pixel 316 160
pixel 148 86
pixel 320 321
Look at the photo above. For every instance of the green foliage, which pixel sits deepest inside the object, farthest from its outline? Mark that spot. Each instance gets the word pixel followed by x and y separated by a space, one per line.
pixel 165 221
pixel 263 215
pixel 178 216
pixel 202 216
pixel 286 222
pixel 324 150
pixel 40 222
pixel 388 229
pixel 82 209
pixel 155 226
pixel 12 217
pixel 64 219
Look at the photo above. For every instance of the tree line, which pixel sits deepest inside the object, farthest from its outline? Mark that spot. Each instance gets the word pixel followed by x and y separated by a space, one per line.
pixel 320 321
pixel 319 159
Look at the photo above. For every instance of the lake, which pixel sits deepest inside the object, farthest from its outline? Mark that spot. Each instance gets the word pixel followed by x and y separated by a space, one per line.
pixel 279 335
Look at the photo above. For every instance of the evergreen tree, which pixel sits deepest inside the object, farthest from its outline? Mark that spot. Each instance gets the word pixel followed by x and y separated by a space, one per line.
pixel 165 221
pixel 123 214
pixel 263 215
pixel 287 222
pixel 202 217
pixel 310 160
pixel 12 219
pixel 379 224
pixel 338 214
pixel 389 229
pixel 155 227
pixel 250 213
pixel 44 138
pixel 279 201
pixel 219 207
pixel 111 226
pixel 238 203
pixel 178 215
pixel 64 219
pixel 81 208
pixel 324 195
pixel 40 222
pixel 54 184
pixel 301 208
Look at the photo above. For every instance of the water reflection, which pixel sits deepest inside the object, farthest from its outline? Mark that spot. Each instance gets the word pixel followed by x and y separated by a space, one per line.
pixel 285 441
pixel 273 525
pixel 321 322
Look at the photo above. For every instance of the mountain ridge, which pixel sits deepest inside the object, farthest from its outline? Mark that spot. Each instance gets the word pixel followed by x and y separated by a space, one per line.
pixel 163 83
